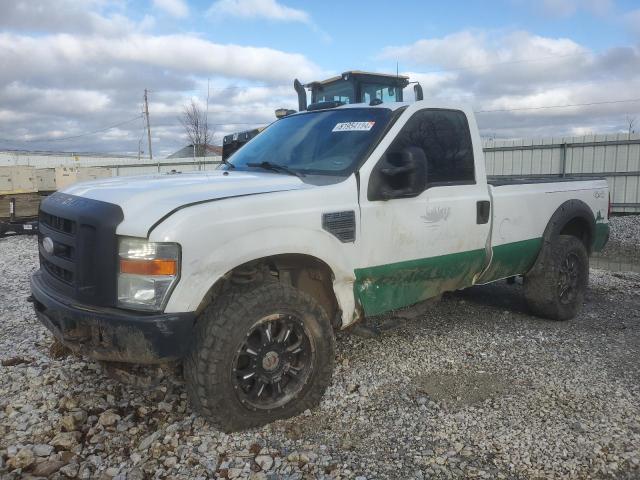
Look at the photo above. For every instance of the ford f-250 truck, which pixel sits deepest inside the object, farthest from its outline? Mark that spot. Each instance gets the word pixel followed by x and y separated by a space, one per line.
pixel 324 218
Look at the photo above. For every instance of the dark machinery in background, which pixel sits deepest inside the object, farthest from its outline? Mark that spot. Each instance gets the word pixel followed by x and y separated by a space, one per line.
pixel 350 87
pixel 17 225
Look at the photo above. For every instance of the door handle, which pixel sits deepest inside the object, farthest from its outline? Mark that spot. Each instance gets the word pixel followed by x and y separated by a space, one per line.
pixel 483 209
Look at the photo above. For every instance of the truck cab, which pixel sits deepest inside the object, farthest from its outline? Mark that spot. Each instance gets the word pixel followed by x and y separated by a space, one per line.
pixel 358 87
pixel 329 216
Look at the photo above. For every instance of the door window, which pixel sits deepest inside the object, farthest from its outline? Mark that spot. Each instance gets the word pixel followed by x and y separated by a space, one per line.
pixel 444 136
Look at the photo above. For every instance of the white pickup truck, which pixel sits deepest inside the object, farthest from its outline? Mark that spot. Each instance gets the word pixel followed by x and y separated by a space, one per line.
pixel 326 217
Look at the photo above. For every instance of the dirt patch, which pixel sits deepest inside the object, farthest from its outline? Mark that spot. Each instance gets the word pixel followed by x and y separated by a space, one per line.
pixel 461 388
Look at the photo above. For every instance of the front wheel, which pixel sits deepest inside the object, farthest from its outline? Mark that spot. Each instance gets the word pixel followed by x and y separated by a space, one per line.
pixel 556 290
pixel 261 353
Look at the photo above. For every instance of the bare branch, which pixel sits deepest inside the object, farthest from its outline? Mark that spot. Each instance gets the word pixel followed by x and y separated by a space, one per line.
pixel 631 121
pixel 196 126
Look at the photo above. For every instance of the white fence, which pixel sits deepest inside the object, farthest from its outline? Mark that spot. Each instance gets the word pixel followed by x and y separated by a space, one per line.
pixel 615 157
pixel 120 165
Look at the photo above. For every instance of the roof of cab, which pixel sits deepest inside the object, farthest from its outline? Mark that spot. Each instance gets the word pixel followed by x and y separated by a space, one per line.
pixel 401 78
pixel 388 105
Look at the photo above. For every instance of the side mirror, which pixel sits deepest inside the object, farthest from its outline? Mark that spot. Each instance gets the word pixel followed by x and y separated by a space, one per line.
pixel 404 174
pixel 417 89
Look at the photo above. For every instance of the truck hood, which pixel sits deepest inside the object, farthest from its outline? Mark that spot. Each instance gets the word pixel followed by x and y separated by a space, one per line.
pixel 146 199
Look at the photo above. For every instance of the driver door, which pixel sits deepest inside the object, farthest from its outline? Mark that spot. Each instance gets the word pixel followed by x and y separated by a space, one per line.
pixel 420 239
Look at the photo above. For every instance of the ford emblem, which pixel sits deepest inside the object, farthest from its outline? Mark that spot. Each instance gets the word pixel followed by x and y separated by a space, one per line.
pixel 48 245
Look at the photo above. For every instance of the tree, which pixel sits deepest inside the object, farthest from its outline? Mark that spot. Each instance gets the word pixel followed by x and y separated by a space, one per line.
pixel 196 125
pixel 631 121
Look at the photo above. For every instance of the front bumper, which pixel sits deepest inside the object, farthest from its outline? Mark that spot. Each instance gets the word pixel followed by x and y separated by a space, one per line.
pixel 112 334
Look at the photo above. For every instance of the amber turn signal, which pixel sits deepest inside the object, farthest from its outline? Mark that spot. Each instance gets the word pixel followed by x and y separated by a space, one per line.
pixel 149 267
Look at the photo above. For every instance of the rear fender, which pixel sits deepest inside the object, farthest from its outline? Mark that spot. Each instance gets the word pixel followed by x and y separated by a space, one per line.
pixel 567 212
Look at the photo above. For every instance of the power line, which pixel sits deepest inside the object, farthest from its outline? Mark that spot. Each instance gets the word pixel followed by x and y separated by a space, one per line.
pixel 631 100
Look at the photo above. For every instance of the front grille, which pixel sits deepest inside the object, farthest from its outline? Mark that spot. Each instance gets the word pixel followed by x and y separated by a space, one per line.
pixel 59 263
pixel 59 224
pixel 60 273
pixel 83 262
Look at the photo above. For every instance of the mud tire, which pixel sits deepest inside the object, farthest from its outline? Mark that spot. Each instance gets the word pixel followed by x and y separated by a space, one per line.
pixel 222 328
pixel 542 286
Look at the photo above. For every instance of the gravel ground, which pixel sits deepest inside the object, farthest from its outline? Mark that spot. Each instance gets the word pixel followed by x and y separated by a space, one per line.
pixel 471 387
pixel 625 238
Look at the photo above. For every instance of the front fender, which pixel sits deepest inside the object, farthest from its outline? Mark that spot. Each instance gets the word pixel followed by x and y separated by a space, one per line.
pixel 201 272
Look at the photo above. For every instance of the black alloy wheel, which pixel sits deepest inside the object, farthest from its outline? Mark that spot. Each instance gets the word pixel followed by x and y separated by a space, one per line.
pixel 273 363
pixel 569 278
pixel 262 351
pixel 555 287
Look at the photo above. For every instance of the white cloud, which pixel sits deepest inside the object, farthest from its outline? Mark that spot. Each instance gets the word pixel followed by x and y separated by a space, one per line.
pixel 180 52
pixel 175 8
pixel 479 51
pixel 80 65
pixel 53 100
pixel 519 70
pixel 79 16
pixel 269 9
pixel 468 47
pixel 74 66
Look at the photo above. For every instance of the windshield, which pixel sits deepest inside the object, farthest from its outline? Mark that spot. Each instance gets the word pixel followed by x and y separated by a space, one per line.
pixel 329 142
pixel 371 91
pixel 338 92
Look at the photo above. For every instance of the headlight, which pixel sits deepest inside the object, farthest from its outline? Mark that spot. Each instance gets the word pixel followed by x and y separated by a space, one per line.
pixel 148 272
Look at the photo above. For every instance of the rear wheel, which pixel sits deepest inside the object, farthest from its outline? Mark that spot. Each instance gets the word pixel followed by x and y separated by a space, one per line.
pixel 556 289
pixel 262 352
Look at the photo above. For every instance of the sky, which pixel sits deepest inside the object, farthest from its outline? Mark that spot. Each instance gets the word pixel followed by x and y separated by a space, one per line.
pixel 73 72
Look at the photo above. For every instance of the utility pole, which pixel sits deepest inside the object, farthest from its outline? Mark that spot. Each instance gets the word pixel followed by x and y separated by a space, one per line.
pixel 146 113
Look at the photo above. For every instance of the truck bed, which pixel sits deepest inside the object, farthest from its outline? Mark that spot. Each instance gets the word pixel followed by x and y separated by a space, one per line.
pixel 521 209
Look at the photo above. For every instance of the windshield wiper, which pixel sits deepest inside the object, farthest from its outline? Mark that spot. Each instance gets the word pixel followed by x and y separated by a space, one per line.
pixel 276 167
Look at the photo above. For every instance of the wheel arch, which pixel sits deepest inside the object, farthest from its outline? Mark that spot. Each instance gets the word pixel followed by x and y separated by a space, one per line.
pixel 306 272
pixel 573 217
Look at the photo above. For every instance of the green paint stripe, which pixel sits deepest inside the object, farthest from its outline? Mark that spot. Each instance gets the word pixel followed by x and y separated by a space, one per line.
pixel 387 287
pixel 512 259
pixel 601 237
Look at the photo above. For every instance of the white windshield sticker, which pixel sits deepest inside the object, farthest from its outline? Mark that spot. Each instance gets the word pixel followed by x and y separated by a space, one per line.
pixel 353 127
